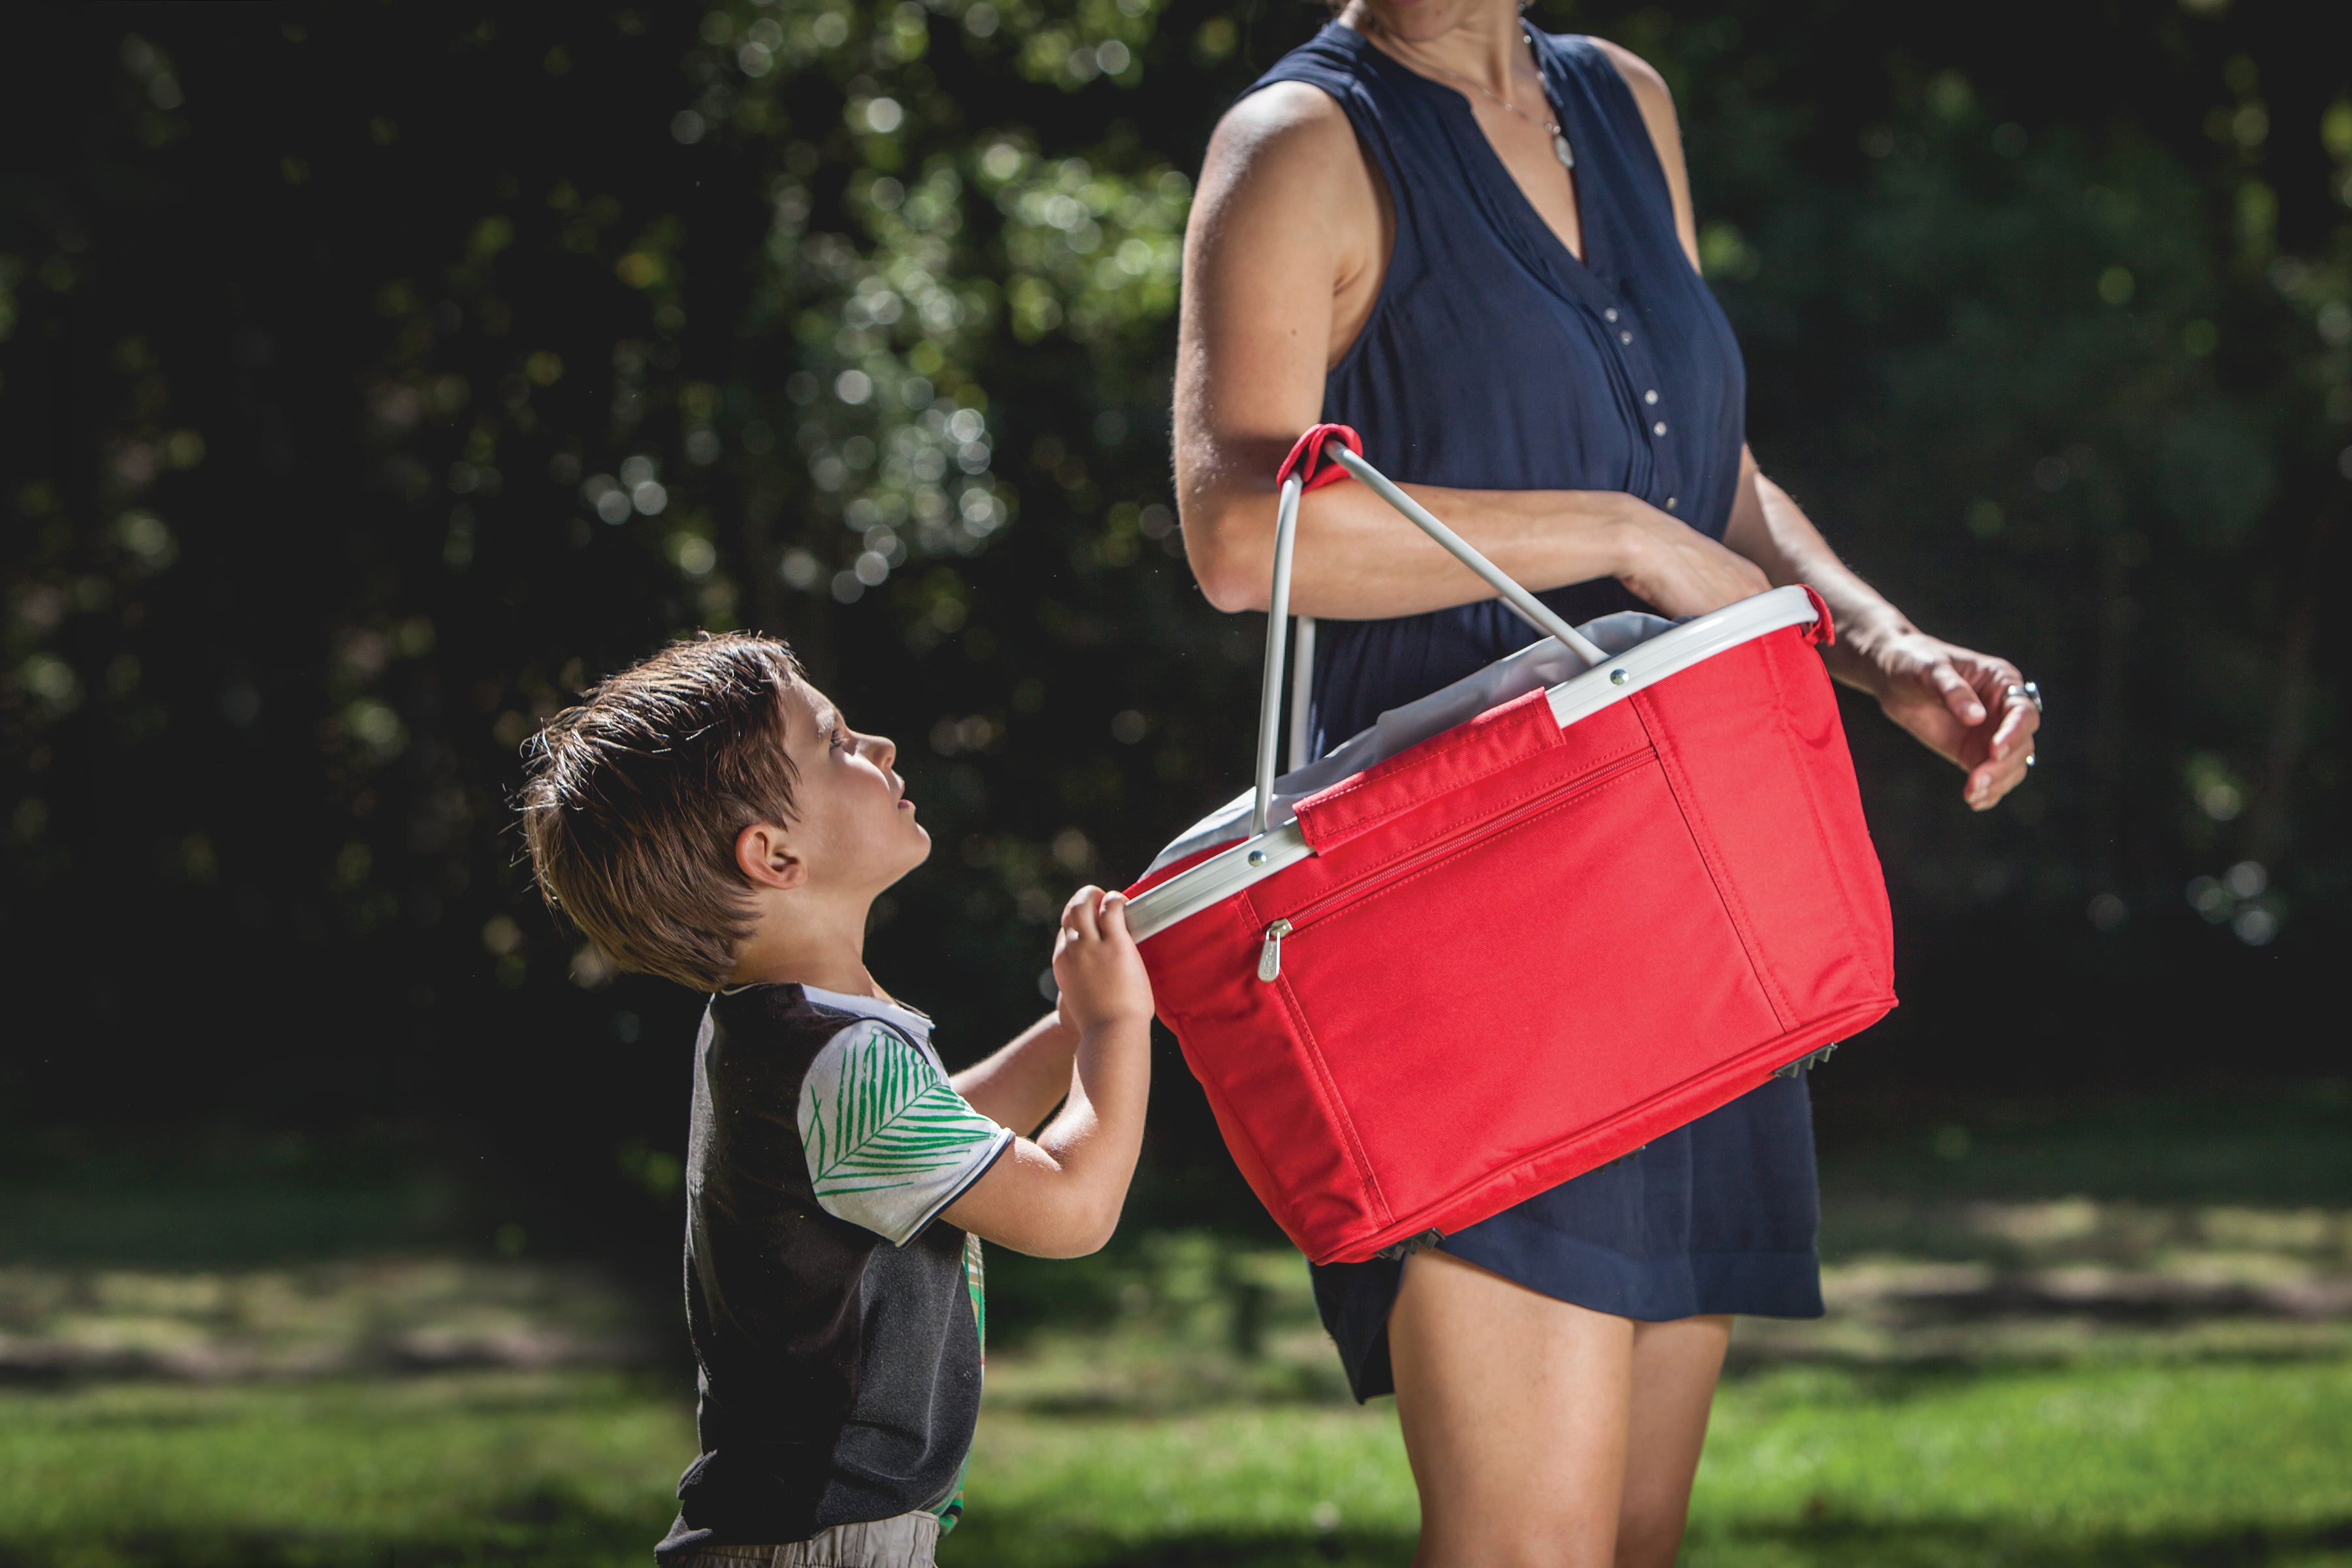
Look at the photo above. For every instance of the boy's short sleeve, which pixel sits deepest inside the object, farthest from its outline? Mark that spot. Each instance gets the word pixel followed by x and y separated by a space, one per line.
pixel 888 1140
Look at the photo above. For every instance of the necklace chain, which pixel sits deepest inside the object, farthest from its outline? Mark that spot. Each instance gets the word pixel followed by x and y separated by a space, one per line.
pixel 1558 137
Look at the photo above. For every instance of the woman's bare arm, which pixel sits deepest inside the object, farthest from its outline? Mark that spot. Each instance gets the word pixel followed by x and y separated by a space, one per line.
pixel 1956 701
pixel 1283 258
pixel 1770 530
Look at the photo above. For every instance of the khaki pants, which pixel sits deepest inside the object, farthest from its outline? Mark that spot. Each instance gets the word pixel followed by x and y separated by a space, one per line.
pixel 906 1541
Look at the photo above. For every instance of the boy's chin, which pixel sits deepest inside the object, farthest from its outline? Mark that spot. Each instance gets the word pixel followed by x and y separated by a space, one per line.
pixel 906 853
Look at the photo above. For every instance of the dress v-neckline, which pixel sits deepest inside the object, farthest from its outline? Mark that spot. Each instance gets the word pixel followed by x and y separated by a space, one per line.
pixel 1579 267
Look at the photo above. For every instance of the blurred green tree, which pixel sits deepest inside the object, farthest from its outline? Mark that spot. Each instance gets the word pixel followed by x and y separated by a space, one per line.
pixel 369 384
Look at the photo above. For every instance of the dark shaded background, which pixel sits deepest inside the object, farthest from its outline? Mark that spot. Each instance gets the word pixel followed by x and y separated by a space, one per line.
pixel 326 332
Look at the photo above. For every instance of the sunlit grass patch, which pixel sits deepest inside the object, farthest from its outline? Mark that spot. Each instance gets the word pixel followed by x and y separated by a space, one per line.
pixel 2098 1464
pixel 1259 1486
pixel 505 1468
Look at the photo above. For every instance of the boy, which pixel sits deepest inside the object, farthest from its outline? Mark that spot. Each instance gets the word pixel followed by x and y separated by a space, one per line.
pixel 708 817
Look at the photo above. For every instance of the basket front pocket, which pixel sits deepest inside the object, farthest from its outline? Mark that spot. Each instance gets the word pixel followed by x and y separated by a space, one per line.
pixel 1561 965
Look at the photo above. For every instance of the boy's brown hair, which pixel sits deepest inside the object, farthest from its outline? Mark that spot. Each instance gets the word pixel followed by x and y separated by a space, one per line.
pixel 634 799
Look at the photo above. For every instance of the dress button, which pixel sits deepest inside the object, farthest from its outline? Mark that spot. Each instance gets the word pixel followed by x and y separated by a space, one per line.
pixel 1670 503
pixel 1625 337
pixel 1650 397
pixel 1610 314
pixel 1659 428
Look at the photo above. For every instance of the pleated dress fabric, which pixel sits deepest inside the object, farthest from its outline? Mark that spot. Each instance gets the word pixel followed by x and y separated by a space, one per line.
pixel 1494 359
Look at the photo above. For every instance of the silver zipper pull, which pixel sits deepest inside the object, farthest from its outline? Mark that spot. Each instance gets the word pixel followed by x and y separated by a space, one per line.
pixel 1270 957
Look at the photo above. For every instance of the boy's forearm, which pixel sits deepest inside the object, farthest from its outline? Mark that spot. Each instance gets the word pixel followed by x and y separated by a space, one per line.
pixel 1019 1085
pixel 1099 1133
pixel 1060 1196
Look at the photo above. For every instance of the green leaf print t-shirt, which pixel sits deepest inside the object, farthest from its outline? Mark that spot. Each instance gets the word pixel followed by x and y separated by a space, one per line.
pixel 835 1318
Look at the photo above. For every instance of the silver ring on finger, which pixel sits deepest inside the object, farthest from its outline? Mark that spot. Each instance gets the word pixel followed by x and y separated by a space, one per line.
pixel 2031 691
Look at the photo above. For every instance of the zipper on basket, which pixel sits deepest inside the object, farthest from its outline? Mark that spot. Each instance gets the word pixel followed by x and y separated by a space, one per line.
pixel 1269 955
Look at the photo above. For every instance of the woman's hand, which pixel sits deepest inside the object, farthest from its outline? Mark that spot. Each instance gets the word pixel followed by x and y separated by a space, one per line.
pixel 1959 702
pixel 1678 569
pixel 1956 701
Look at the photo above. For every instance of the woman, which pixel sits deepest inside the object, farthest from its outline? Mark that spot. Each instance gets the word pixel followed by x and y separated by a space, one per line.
pixel 1475 244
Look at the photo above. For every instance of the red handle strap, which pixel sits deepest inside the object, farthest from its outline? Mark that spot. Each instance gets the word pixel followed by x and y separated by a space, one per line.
pixel 1822 632
pixel 1307 456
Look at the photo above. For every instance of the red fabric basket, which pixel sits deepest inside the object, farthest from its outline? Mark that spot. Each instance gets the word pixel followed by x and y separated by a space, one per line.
pixel 1517 950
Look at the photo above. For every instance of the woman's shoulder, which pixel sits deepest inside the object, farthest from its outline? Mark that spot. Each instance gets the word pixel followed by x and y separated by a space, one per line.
pixel 1287 160
pixel 1285 113
pixel 1306 100
pixel 1289 117
pixel 1596 55
pixel 1334 60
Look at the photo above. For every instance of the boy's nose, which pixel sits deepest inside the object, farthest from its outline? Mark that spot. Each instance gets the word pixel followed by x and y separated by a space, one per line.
pixel 882 750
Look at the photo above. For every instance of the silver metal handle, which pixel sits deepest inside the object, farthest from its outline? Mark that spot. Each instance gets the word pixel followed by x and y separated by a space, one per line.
pixel 1530 608
pixel 1278 624
pixel 1302 689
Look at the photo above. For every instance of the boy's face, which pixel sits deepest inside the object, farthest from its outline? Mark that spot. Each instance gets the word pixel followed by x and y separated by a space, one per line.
pixel 855 830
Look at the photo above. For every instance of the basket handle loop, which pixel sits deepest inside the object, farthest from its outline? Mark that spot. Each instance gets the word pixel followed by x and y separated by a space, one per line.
pixel 1308 456
pixel 1302 471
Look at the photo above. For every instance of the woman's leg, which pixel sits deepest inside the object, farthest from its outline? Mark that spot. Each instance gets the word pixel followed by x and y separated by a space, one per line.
pixel 1515 1409
pixel 1541 1431
pixel 1674 1368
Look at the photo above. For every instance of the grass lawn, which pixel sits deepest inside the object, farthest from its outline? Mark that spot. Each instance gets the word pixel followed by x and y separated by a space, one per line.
pixel 2072 1371
pixel 2190 1464
pixel 487 1467
pixel 2200 1464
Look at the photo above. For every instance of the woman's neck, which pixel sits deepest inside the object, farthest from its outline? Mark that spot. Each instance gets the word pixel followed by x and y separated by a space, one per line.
pixel 1482 43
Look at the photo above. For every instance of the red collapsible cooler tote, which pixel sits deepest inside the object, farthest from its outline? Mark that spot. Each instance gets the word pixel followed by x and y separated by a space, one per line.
pixel 1522 927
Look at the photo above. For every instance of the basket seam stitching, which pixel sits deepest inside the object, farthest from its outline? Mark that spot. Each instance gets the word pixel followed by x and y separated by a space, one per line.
pixel 1341 792
pixel 1813 805
pixel 1249 911
pixel 1405 881
pixel 1735 908
pixel 1467 734
pixel 1327 1088
pixel 1516 1166
pixel 1331 1088
pixel 1529 794
pixel 1436 833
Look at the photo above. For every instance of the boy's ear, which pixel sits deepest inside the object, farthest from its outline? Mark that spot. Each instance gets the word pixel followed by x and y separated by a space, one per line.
pixel 767 858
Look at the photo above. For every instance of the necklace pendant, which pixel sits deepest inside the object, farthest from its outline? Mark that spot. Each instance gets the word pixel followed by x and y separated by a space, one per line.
pixel 1562 151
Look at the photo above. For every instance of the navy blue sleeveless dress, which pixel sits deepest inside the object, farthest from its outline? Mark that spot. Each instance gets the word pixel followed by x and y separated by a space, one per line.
pixel 1495 360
